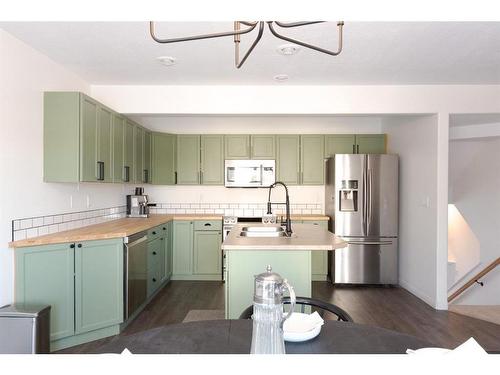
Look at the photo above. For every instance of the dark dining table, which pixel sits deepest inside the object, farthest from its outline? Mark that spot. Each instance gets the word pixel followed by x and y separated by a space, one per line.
pixel 235 336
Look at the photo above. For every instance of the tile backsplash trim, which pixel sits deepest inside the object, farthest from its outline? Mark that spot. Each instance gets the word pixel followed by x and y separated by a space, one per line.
pixel 48 224
pixel 42 225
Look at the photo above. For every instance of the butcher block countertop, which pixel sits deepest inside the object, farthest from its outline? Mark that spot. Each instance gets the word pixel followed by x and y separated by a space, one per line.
pixel 124 228
pixel 109 229
pixel 304 237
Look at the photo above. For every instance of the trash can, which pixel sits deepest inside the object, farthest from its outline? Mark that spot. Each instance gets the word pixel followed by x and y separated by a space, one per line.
pixel 24 329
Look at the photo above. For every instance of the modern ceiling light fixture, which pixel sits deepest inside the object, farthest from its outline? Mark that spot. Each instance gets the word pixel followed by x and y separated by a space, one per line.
pixel 250 26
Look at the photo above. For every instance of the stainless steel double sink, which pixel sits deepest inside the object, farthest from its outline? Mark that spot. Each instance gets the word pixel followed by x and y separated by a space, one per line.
pixel 262 231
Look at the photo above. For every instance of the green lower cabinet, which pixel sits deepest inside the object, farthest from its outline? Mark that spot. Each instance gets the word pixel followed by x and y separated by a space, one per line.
pixel 319 259
pixel 156 264
pixel 44 275
pixel 83 283
pixel 183 248
pixel 98 284
pixel 169 254
pixel 207 253
pixel 243 265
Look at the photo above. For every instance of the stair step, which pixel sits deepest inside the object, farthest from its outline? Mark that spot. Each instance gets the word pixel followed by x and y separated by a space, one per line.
pixel 483 312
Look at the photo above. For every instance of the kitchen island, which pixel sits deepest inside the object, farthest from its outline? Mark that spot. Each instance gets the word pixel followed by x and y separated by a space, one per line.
pixel 247 256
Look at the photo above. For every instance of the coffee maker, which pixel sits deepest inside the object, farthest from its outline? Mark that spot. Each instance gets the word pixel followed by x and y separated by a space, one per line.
pixel 137 204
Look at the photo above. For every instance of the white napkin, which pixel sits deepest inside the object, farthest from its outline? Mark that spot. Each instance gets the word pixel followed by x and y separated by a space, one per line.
pixel 126 351
pixel 469 348
pixel 298 323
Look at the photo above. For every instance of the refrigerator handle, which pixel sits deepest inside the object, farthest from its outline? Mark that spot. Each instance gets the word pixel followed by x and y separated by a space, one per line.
pixel 364 204
pixel 368 199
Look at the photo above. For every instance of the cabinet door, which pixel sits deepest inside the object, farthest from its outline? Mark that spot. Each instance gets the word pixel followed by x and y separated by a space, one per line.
pixel 156 264
pixel 319 259
pixel 339 144
pixel 98 284
pixel 104 149
pixel 139 154
pixel 212 160
pixel 288 161
pixel 169 255
pixel 188 159
pixel 128 152
pixel 237 146
pixel 312 160
pixel 147 157
pixel 88 139
pixel 44 275
pixel 370 144
pixel 263 146
pixel 163 159
pixel 207 253
pixel 118 148
pixel 183 247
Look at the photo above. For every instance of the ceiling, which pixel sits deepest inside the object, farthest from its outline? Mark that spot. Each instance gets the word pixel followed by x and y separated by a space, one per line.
pixel 123 53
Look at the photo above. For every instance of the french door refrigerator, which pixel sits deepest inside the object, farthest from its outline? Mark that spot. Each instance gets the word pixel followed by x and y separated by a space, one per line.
pixel 362 202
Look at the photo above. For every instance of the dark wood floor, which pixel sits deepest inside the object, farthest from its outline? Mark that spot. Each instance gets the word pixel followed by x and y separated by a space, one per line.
pixel 391 308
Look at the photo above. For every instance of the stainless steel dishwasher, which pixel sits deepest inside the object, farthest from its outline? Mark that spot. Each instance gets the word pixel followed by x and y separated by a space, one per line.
pixel 135 280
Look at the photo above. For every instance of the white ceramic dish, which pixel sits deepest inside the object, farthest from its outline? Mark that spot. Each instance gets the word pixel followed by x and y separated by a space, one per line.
pixel 299 336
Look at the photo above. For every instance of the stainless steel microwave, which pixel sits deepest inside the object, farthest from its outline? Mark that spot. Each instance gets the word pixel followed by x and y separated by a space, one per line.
pixel 249 173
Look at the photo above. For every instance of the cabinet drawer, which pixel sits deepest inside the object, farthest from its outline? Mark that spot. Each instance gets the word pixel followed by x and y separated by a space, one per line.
pixel 208 225
pixel 155 233
pixel 154 253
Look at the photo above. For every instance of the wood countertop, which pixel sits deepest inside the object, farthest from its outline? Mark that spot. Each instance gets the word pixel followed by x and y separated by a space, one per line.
pixel 304 237
pixel 124 228
pixel 109 229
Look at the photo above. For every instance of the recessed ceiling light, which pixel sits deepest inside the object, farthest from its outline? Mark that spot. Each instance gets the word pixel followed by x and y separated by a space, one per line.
pixel 167 60
pixel 288 49
pixel 281 77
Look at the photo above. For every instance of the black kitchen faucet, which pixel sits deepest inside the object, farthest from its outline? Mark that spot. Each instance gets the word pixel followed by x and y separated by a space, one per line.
pixel 288 229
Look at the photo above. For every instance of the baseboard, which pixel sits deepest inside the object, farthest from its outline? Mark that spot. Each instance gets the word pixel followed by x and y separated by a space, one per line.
pixel 217 277
pixel 84 338
pixel 417 293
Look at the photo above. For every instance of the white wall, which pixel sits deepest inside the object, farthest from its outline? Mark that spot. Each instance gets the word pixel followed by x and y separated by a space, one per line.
pixel 414 139
pixel 475 186
pixel 25 74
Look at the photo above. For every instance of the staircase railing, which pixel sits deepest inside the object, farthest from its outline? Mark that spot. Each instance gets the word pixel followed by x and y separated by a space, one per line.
pixel 474 280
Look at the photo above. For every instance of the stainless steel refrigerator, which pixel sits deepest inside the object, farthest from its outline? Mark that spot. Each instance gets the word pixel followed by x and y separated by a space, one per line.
pixel 362 202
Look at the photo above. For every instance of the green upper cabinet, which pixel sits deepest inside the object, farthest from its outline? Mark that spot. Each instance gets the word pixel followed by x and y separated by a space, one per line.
pixel 118 148
pixel 147 156
pixel 212 160
pixel 98 284
pixel 128 152
pixel 44 275
pixel 139 154
pixel 354 144
pixel 339 144
pixel 370 144
pixel 183 248
pixel 188 159
pixel 263 146
pixel 288 159
pixel 237 146
pixel 88 139
pixel 105 145
pixel 312 164
pixel 61 127
pixel 163 159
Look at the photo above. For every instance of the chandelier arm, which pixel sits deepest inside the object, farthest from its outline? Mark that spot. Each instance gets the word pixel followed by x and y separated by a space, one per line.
pixel 203 36
pixel 295 24
pixel 340 24
pixel 255 42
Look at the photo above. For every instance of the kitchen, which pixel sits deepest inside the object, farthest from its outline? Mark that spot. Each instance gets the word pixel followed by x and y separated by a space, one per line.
pixel 179 146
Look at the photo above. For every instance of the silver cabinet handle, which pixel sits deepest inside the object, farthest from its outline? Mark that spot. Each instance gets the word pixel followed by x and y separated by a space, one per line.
pixel 100 171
